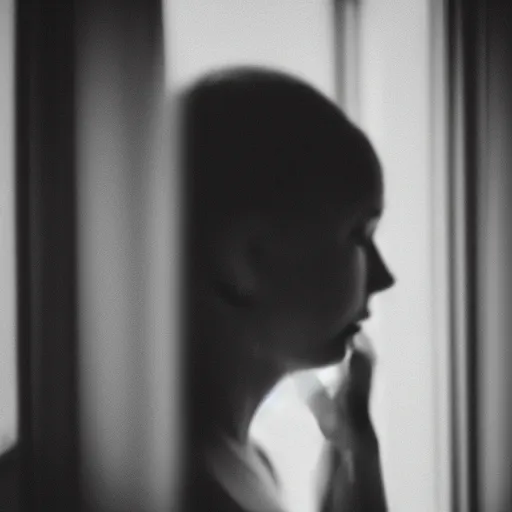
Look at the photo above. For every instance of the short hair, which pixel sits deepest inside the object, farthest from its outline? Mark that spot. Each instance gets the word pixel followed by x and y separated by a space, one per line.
pixel 256 140
pixel 260 140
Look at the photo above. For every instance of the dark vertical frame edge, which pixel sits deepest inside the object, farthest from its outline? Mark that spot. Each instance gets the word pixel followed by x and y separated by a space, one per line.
pixel 24 11
pixel 466 88
pixel 46 254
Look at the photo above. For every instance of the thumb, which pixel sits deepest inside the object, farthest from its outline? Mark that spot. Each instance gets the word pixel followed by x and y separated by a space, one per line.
pixel 361 364
pixel 353 395
pixel 318 400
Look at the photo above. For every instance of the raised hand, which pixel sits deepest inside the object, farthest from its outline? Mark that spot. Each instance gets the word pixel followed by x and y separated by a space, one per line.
pixel 350 467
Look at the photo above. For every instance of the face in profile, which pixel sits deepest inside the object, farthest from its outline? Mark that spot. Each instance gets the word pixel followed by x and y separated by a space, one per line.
pixel 319 283
pixel 311 280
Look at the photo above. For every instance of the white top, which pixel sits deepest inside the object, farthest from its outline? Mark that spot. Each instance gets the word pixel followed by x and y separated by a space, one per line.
pixel 242 474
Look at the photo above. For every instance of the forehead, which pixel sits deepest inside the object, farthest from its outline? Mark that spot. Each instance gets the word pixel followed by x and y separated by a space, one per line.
pixel 372 194
pixel 365 194
pixel 369 209
pixel 362 205
pixel 357 177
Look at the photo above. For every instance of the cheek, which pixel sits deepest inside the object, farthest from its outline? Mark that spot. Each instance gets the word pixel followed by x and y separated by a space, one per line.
pixel 326 290
pixel 313 299
pixel 341 288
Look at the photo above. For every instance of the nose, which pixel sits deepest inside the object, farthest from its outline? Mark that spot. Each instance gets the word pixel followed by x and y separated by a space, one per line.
pixel 380 278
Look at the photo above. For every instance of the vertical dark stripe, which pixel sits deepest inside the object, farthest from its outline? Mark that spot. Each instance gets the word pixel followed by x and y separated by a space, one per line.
pixel 465 75
pixel 339 53
pixel 47 254
pixel 452 48
pixel 24 42
pixel 472 76
pixel 347 54
pixel 454 64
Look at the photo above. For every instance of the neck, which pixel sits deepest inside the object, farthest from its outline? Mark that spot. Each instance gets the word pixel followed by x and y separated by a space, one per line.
pixel 229 380
pixel 234 390
pixel 238 397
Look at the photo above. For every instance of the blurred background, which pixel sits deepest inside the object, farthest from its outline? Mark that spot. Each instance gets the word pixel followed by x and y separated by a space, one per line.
pixel 89 250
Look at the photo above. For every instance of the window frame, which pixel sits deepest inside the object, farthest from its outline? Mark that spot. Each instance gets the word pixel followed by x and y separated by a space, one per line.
pixel 46 255
pixel 458 35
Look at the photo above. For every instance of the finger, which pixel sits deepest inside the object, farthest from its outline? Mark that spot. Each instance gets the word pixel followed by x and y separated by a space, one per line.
pixel 318 400
pixel 364 345
pixel 353 395
pixel 356 378
pixel 361 373
pixel 362 363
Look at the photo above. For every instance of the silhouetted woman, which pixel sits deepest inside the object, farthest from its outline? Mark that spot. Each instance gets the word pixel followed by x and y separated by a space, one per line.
pixel 283 195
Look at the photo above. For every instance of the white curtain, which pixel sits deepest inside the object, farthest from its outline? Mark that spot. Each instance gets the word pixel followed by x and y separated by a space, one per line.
pixel 127 265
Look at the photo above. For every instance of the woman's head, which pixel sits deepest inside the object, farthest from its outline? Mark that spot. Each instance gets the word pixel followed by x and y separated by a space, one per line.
pixel 283 194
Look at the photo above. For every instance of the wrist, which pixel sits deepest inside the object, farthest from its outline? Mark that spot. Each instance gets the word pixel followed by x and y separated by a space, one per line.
pixel 362 435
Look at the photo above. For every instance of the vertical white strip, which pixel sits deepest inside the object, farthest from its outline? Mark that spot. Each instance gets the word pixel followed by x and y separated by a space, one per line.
pixel 395 112
pixel 163 307
pixel 442 360
pixel 162 318
pixel 8 379
pixel 127 258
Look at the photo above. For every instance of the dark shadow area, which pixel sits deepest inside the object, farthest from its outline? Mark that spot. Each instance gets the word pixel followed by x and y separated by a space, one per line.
pixel 9 481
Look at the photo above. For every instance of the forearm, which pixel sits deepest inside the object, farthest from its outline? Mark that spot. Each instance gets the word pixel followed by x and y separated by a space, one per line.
pixel 368 487
pixel 356 483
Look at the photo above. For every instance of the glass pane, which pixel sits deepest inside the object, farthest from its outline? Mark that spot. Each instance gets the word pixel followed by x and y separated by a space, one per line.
pixel 396 103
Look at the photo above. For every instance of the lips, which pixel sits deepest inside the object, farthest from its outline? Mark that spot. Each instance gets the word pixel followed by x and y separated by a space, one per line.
pixel 355 327
pixel 336 350
pixel 366 315
pixel 351 329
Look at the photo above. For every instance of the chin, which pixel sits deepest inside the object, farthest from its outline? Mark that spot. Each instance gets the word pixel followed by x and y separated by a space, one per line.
pixel 333 354
pixel 329 353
